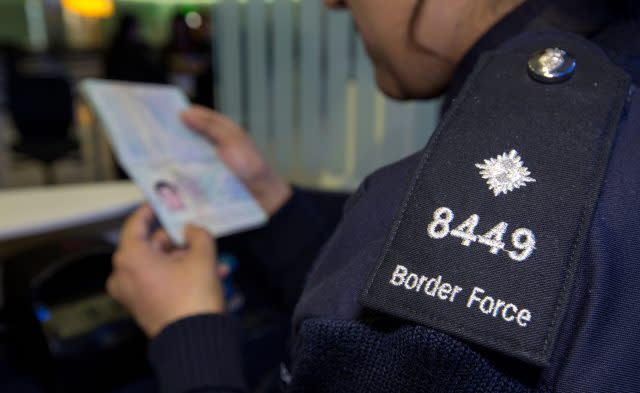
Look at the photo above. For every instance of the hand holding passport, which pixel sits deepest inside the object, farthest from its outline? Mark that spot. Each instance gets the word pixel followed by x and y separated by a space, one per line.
pixel 178 170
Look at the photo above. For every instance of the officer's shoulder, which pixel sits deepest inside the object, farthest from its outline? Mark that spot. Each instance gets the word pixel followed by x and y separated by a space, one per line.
pixel 385 182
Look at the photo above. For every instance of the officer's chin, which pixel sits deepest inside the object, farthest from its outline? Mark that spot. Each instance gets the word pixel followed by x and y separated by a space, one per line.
pixel 390 86
pixel 394 88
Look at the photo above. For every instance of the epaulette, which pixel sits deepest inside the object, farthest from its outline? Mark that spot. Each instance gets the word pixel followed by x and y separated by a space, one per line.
pixel 495 220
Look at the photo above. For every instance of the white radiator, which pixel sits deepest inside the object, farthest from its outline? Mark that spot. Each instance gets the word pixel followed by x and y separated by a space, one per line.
pixel 298 78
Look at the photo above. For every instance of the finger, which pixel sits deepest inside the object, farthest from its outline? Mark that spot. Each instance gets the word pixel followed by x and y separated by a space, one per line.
pixel 199 240
pixel 198 118
pixel 203 116
pixel 113 287
pixel 197 113
pixel 136 228
pixel 178 254
pixel 215 126
pixel 119 259
pixel 161 241
pixel 223 270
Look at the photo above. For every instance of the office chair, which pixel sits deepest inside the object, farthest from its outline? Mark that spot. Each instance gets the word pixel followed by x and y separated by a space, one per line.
pixel 42 111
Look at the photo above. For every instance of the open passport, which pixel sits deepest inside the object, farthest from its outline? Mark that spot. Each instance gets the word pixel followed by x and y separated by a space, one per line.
pixel 178 170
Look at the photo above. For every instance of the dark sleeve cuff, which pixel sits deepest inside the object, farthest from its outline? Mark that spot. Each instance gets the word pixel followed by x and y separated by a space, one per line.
pixel 298 226
pixel 282 252
pixel 199 353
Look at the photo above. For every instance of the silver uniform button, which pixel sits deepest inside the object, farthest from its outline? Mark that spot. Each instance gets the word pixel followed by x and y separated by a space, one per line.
pixel 551 65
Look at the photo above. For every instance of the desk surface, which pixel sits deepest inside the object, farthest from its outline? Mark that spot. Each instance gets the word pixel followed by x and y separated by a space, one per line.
pixel 35 211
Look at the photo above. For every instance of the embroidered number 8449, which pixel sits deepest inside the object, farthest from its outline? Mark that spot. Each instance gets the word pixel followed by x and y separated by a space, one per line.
pixel 522 239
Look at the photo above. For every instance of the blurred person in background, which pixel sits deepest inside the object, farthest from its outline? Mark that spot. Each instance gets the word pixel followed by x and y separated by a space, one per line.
pixel 205 81
pixel 129 58
pixel 183 53
pixel 189 56
pixel 4 73
pixel 506 68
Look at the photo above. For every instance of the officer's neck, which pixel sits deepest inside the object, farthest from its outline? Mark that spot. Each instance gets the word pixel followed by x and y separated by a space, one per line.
pixel 531 15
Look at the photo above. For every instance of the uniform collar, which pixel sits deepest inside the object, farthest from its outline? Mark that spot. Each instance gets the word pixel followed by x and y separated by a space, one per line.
pixel 511 25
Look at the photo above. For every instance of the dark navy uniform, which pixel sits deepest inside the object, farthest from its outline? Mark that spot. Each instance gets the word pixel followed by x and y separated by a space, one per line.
pixel 502 258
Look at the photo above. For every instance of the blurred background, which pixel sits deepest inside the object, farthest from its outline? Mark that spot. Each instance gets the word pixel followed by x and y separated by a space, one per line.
pixel 293 74
pixel 324 126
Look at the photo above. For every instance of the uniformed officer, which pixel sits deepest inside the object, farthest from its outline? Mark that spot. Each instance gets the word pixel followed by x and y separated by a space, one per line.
pixel 502 257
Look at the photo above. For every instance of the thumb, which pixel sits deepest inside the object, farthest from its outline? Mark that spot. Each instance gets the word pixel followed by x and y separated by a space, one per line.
pixel 207 122
pixel 199 240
